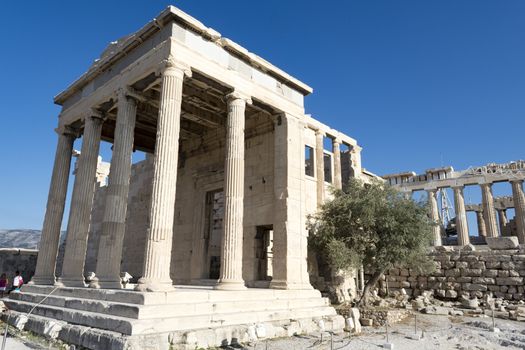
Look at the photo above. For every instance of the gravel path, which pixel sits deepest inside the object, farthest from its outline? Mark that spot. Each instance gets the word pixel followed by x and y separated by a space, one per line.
pixel 440 332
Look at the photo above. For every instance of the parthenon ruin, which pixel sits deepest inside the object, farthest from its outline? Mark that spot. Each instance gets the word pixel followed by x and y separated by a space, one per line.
pixel 233 165
pixel 488 212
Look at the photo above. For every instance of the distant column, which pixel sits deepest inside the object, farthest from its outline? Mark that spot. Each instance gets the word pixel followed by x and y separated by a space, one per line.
pixel 337 164
pixel 502 215
pixel 482 229
pixel 319 166
pixel 157 260
pixel 231 255
pixel 461 216
pixel 81 203
pixel 49 241
pixel 434 215
pixel 489 212
pixel 114 223
pixel 519 208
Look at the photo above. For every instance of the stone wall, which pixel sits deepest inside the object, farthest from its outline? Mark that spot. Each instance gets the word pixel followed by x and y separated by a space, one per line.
pixel 469 272
pixel 23 260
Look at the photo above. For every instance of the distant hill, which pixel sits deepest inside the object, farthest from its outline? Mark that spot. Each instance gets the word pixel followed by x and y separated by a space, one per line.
pixel 21 238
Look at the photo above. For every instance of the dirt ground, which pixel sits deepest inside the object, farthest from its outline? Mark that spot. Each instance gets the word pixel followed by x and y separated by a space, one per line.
pixel 438 332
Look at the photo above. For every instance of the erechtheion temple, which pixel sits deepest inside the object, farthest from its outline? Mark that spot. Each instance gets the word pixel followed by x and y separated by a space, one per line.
pixel 487 213
pixel 212 224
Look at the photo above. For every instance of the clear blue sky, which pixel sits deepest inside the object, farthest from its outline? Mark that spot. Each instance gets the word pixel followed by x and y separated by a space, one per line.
pixel 417 83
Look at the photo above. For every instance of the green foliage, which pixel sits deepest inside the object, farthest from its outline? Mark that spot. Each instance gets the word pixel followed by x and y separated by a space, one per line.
pixel 374 225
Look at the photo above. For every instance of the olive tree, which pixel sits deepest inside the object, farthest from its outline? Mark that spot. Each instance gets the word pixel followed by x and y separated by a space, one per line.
pixel 375 226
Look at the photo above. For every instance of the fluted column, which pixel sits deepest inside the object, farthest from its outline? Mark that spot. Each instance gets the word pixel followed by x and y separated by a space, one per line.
pixel 49 240
pixel 502 216
pixel 160 233
pixel 519 208
pixel 489 212
pixel 114 222
pixel 81 202
pixel 434 215
pixel 461 216
pixel 319 166
pixel 482 228
pixel 337 164
pixel 231 256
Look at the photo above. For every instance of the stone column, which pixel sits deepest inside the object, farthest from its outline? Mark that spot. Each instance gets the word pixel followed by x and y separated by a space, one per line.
pixel 337 164
pixel 319 166
pixel 231 256
pixel 290 236
pixel 461 216
pixel 519 208
pixel 489 212
pixel 482 228
pixel 502 216
pixel 49 241
pixel 160 232
pixel 114 222
pixel 81 202
pixel 434 215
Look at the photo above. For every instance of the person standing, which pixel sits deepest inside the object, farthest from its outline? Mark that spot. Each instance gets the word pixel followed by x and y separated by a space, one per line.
pixel 18 281
pixel 3 284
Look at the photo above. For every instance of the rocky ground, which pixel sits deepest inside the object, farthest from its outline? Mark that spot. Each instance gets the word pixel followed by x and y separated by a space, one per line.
pixel 438 332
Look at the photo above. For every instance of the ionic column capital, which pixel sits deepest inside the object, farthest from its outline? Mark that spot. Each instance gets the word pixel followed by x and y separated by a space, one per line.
pixel 127 93
pixel 95 115
pixel 171 66
pixel 237 97
pixel 517 181
pixel 67 130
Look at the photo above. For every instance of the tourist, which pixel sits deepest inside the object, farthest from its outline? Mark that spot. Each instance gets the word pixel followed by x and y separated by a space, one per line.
pixel 3 284
pixel 18 281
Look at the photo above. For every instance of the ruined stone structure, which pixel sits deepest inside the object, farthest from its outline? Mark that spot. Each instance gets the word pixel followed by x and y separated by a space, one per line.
pixel 467 273
pixel 219 206
pixel 483 176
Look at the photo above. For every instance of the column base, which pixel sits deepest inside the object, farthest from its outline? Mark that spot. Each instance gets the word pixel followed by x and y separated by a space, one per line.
pixel 148 285
pixel 97 283
pixel 283 284
pixel 43 280
pixel 70 282
pixel 230 285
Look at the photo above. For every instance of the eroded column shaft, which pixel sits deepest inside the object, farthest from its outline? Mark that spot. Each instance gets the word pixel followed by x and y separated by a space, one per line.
pixel 482 229
pixel 502 215
pixel 49 241
pixel 337 164
pixel 319 166
pixel 160 233
pixel 434 215
pixel 461 217
pixel 81 202
pixel 519 208
pixel 114 223
pixel 489 212
pixel 231 255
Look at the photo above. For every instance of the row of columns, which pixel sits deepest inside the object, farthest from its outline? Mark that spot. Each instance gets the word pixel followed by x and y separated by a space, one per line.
pixel 486 219
pixel 160 233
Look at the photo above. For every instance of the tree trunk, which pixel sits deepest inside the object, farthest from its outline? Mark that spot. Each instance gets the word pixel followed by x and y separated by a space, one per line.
pixel 369 285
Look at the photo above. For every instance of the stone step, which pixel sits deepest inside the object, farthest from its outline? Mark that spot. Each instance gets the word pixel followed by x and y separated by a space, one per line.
pixel 169 310
pixel 181 294
pixel 161 323
pixel 99 339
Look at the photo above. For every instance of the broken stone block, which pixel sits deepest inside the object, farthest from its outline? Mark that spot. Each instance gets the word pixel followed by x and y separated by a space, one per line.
pixel 502 243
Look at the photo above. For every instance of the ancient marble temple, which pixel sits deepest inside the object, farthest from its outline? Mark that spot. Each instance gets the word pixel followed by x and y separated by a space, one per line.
pixel 212 224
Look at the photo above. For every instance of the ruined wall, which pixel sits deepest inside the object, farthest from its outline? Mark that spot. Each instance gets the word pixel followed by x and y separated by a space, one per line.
pixel 467 272
pixel 23 260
